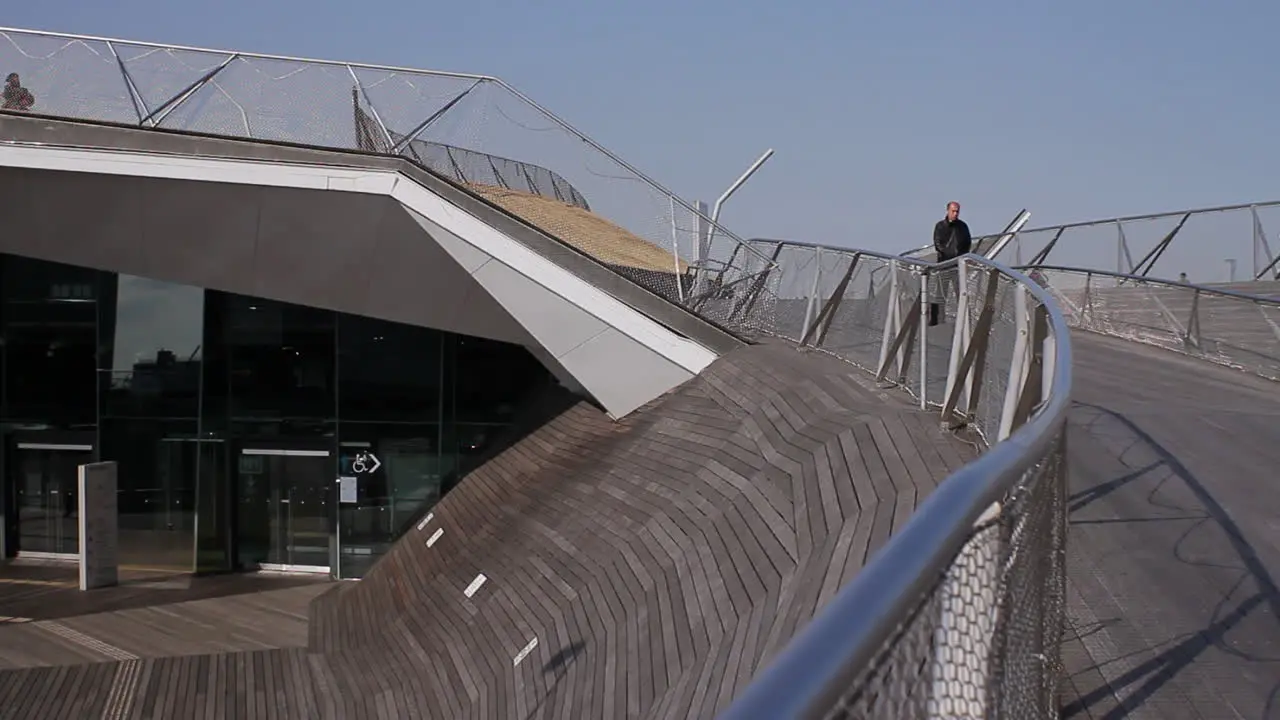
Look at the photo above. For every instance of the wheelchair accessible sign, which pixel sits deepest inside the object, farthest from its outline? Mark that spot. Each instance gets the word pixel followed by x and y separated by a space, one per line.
pixel 354 466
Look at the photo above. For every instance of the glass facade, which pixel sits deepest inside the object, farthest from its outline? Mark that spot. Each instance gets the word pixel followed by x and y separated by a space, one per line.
pixel 245 430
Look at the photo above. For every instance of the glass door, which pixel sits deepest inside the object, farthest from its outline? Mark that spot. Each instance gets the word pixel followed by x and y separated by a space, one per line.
pixel 158 514
pixel 384 487
pixel 44 477
pixel 284 511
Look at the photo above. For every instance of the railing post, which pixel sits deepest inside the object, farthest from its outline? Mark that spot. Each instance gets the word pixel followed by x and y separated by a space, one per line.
pixel 1263 259
pixel 822 323
pixel 899 337
pixel 960 336
pixel 1018 366
pixel 675 253
pixel 813 295
pixel 1191 336
pixel 907 345
pixel 1086 302
pixel 968 376
pixel 1032 392
pixel 892 323
pixel 1048 357
pixel 924 338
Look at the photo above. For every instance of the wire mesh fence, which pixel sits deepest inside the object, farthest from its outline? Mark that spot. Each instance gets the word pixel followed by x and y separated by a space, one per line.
pixel 983 641
pixel 1226 244
pixel 474 130
pixel 982 637
pixel 1226 328
pixel 843 301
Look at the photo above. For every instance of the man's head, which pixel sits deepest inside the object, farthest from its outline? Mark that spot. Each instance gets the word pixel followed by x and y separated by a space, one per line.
pixel 13 80
pixel 953 211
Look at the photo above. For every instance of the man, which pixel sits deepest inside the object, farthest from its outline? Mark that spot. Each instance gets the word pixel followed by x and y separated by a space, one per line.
pixel 15 96
pixel 951 235
pixel 951 239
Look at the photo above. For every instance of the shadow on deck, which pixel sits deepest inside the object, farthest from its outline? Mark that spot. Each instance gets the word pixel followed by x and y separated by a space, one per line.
pixel 1173 551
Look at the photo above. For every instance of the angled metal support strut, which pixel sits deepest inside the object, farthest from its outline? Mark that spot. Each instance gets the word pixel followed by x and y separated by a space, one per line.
pixel 386 134
pixel 157 116
pixel 899 333
pixel 1041 256
pixel 969 350
pixel 422 126
pixel 822 323
pixel 1148 261
pixel 139 104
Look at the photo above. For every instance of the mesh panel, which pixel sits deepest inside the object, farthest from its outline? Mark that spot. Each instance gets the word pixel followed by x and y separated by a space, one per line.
pixel 1160 246
pixel 473 168
pixel 1230 330
pixel 1000 346
pixel 473 130
pixel 984 640
pixel 841 302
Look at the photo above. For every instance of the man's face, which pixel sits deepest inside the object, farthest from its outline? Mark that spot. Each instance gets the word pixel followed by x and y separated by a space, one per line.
pixel 13 80
pixel 953 212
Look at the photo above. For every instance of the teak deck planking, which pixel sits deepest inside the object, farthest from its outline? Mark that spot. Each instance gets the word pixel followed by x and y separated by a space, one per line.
pixel 658 561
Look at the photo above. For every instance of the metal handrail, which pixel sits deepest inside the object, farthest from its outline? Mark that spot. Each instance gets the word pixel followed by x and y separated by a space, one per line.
pixel 1146 280
pixel 815 669
pixel 1249 342
pixel 888 257
pixel 553 117
pixel 1121 219
pixel 258 56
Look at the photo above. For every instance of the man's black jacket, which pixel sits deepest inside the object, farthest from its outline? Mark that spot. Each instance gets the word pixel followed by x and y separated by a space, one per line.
pixel 951 239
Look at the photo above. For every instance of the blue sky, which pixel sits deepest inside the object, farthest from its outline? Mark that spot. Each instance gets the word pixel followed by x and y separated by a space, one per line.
pixel 879 112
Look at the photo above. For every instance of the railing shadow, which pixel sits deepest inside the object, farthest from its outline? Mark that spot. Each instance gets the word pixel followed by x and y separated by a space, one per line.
pixel 1142 455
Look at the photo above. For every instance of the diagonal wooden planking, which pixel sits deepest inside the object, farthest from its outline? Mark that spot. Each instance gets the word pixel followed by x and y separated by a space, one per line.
pixel 658 561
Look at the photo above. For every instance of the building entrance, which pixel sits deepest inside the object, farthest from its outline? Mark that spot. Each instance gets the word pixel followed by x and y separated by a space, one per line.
pixel 42 499
pixel 284 519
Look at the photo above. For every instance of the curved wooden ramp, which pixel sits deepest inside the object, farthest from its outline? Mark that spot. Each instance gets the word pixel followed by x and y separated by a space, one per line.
pixel 658 562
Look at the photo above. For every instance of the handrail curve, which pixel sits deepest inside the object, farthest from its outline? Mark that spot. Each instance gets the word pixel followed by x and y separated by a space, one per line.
pixel 829 669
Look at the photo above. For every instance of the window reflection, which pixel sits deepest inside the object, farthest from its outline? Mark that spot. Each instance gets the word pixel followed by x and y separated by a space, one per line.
pixel 281 359
pixel 49 318
pixel 180 386
pixel 153 338
pixel 492 380
pixel 388 371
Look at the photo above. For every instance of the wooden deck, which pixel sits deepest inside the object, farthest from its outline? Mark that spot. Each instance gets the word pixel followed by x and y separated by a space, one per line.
pixel 594 570
pixel 251 621
pixel 1174 547
pixel 34 591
